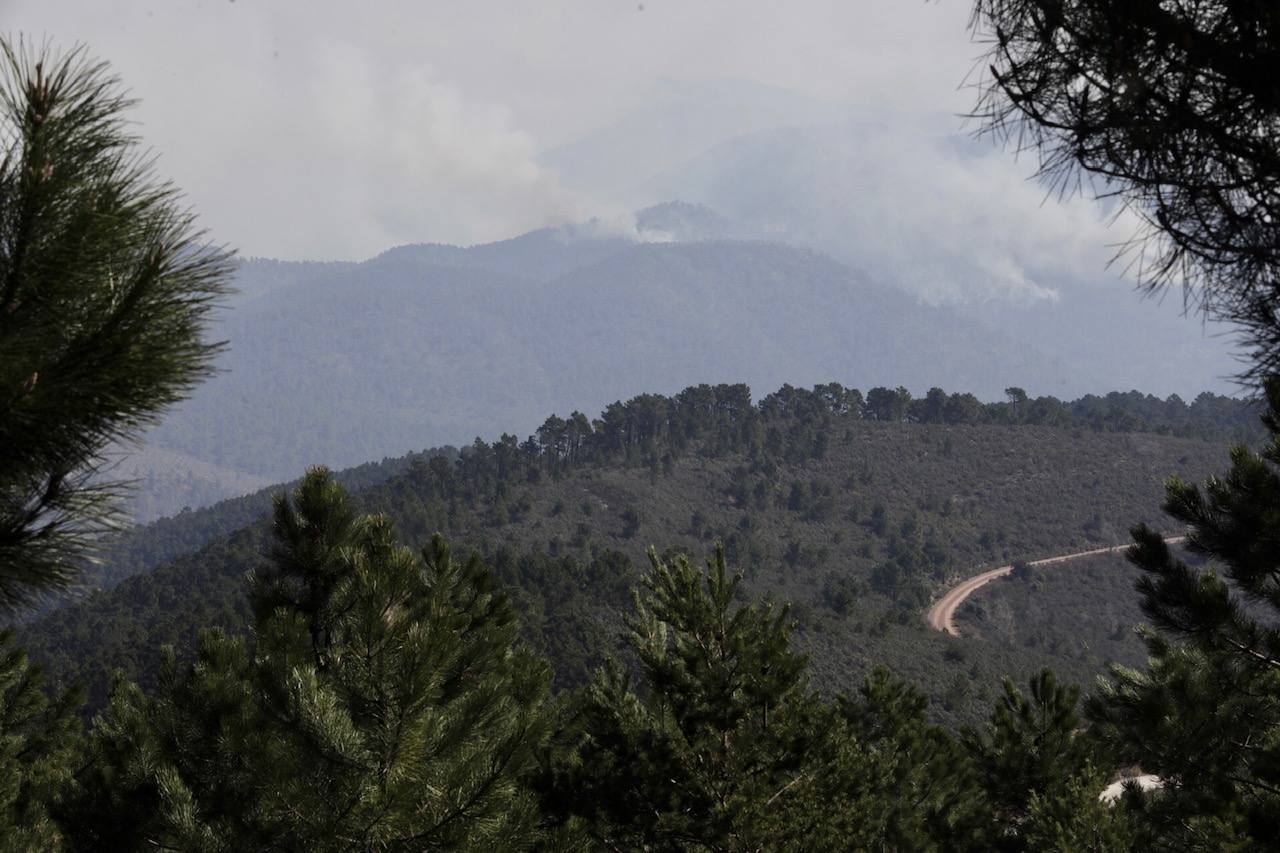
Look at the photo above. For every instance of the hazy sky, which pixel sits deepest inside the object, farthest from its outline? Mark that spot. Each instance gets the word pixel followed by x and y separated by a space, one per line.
pixel 332 130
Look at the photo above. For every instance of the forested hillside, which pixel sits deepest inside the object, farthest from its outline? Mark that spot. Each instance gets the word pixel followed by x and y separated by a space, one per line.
pixel 143 547
pixel 427 345
pixel 856 508
pixel 1084 609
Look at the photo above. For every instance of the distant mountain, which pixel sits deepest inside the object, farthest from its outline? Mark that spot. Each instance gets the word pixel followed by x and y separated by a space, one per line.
pixel 914 201
pixel 166 481
pixel 542 254
pixel 950 224
pixel 427 345
pixel 899 252
pixel 680 221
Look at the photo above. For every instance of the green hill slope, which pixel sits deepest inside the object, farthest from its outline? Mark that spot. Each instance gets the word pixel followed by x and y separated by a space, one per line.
pixel 857 521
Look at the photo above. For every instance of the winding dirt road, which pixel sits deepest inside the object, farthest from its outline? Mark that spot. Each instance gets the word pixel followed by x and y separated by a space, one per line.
pixel 942 614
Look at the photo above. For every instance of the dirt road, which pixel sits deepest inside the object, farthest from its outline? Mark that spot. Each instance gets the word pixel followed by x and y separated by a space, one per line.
pixel 941 615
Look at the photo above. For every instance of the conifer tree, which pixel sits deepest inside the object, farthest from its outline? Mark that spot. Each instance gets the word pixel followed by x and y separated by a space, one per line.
pixel 717 734
pixel 882 777
pixel 1072 818
pixel 723 748
pixel 1174 109
pixel 37 740
pixel 1171 107
pixel 386 705
pixel 1206 716
pixel 1033 751
pixel 105 287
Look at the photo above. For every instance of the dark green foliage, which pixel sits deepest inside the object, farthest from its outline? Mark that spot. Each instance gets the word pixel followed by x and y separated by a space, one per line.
pixel 142 548
pixel 383 699
pixel 560 603
pixel 1207 714
pixel 884 404
pixel 386 706
pixel 37 742
pixel 691 761
pixel 912 772
pixel 1083 613
pixel 1032 747
pixel 105 286
pixel 699 414
pixel 1072 818
pixel 1172 107
pixel 722 748
pixel 840 593
pixel 630 523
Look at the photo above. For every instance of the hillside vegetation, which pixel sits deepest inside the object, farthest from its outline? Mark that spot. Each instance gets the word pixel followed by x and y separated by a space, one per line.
pixel 1085 609
pixel 855 509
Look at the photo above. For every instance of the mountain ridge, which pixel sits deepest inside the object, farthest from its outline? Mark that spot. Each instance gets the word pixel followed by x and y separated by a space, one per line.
pixel 399 352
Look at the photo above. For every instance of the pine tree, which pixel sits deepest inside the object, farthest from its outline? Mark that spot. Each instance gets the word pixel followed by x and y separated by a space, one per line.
pixel 387 705
pixel 1073 819
pixel 1205 717
pixel 1033 751
pixel 37 740
pixel 714 738
pixel 882 777
pixel 723 748
pixel 105 287
pixel 1173 108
